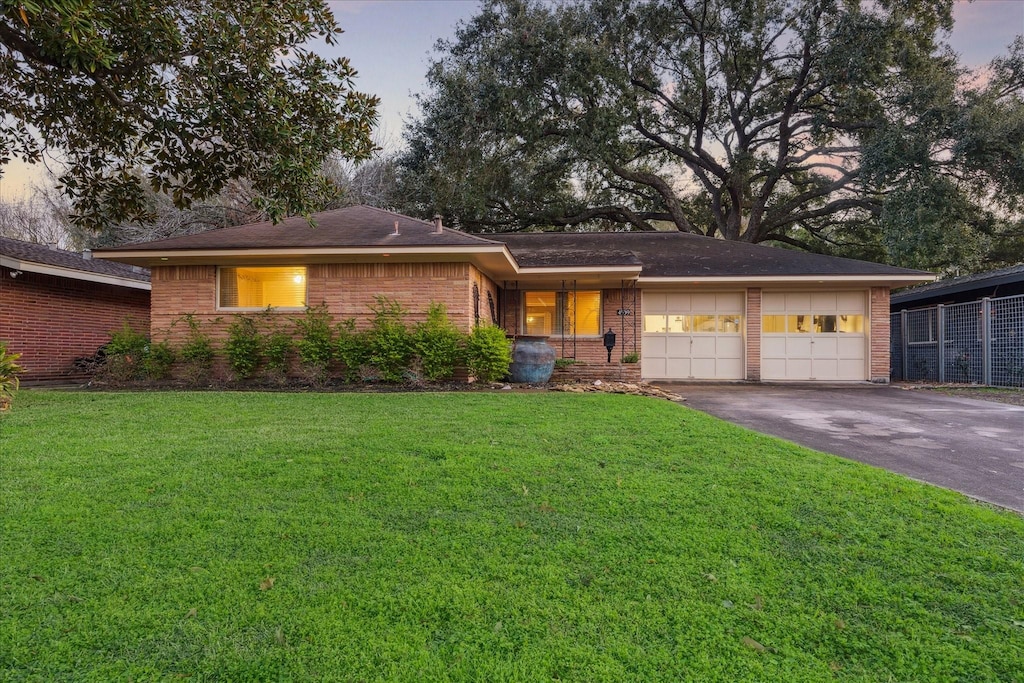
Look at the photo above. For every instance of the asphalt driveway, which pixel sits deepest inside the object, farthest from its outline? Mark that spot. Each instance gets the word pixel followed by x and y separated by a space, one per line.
pixel 975 447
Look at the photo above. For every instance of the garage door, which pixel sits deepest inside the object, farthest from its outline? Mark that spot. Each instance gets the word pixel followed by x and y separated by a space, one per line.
pixel 813 335
pixel 692 336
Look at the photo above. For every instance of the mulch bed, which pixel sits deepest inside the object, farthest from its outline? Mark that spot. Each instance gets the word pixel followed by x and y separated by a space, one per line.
pixel 1010 395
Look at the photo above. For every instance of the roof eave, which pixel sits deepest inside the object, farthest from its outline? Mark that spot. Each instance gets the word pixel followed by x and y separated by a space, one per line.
pixel 71 273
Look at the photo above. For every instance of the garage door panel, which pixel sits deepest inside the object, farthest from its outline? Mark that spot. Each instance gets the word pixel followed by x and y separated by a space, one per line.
pixel 703 368
pixel 823 302
pixel 675 351
pixel 825 347
pixel 798 347
pixel 679 367
pixel 809 354
pixel 798 301
pixel 654 368
pixel 729 302
pixel 851 368
pixel 850 302
pixel 677 303
pixel 773 302
pixel 851 346
pixel 729 368
pixel 702 303
pixel 654 302
pixel 729 347
pixel 797 367
pixel 703 347
pixel 677 346
pixel 655 346
pixel 825 368
pixel 773 368
pixel 773 347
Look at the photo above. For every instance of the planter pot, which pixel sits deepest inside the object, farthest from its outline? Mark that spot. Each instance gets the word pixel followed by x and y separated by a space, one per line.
pixel 533 360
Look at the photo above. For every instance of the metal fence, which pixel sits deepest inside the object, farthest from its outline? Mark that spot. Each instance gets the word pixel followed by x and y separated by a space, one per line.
pixel 978 342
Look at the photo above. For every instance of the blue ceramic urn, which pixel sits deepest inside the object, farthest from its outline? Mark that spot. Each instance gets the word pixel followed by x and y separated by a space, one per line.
pixel 533 360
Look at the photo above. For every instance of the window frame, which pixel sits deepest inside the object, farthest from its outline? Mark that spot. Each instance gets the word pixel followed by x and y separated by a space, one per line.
pixel 561 309
pixel 256 309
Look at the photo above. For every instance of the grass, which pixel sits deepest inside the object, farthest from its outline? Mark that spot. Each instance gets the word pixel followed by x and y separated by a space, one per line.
pixel 486 537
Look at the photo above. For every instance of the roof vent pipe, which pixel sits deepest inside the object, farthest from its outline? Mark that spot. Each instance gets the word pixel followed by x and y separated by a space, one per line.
pixel 396 228
pixel 438 228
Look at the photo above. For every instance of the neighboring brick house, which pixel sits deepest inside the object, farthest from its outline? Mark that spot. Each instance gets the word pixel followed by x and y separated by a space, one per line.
pixel 690 307
pixel 56 306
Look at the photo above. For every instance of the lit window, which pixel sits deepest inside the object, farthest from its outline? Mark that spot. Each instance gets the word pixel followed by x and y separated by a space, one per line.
pixel 654 323
pixel 729 324
pixel 851 324
pixel 773 324
pixel 262 286
pixel 799 323
pixel 678 323
pixel 824 324
pixel 562 313
pixel 703 323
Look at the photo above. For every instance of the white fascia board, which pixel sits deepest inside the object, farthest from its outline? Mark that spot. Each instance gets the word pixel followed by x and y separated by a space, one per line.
pixel 71 273
pixel 786 279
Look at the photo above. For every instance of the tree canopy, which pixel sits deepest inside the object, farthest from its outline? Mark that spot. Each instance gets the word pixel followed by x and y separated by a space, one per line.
pixel 824 124
pixel 185 96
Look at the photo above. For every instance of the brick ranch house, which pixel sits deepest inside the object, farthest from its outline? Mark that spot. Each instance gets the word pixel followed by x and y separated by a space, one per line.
pixel 56 306
pixel 690 307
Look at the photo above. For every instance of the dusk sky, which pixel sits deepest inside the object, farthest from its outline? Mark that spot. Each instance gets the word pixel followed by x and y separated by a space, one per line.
pixel 390 42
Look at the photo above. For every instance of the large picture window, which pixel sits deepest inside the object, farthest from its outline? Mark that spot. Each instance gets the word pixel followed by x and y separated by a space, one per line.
pixel 560 313
pixel 262 286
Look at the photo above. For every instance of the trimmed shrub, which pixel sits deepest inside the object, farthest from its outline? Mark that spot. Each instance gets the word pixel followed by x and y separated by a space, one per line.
pixel 439 344
pixel 316 343
pixel 158 361
pixel 353 349
pixel 243 346
pixel 488 353
pixel 277 346
pixel 391 345
pixel 197 352
pixel 125 354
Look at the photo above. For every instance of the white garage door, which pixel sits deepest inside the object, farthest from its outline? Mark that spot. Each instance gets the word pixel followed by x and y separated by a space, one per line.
pixel 692 336
pixel 813 335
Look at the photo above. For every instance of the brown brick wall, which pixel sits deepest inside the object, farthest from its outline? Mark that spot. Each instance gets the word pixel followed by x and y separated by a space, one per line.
pixel 52 320
pixel 879 335
pixel 753 336
pixel 348 289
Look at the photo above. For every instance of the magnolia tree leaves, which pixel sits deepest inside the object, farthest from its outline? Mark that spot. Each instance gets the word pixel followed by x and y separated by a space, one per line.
pixel 183 97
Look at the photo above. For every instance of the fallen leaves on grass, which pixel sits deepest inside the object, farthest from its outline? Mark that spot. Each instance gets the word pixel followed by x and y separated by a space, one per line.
pixel 267 583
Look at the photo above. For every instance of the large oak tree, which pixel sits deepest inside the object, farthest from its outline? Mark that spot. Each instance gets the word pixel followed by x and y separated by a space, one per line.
pixel 808 122
pixel 184 95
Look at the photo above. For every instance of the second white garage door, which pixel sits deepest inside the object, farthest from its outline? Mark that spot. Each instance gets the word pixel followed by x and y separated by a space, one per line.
pixel 692 335
pixel 813 336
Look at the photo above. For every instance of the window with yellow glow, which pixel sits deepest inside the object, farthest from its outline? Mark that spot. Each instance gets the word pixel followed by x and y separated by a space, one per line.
pixel 773 324
pixel 559 313
pixel 262 286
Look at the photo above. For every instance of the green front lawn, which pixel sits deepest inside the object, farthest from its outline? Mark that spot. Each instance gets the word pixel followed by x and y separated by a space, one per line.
pixel 488 537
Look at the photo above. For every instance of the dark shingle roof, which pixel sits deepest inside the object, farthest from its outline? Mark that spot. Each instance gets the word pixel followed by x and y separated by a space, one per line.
pixel 352 226
pixel 677 254
pixel 44 255
pixel 661 254
pixel 990 280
